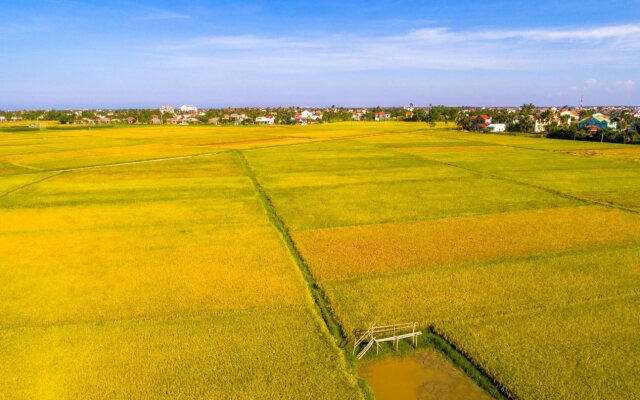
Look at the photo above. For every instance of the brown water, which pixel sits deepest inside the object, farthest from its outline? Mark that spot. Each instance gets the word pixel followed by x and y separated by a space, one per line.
pixel 426 375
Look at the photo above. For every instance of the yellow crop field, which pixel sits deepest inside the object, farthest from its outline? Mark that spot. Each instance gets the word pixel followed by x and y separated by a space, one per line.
pixel 345 252
pixel 452 148
pixel 240 262
pixel 26 123
pixel 474 234
pixel 600 335
pixel 11 183
pixel 456 294
pixel 152 279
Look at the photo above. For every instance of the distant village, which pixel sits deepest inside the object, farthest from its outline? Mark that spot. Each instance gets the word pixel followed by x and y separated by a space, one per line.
pixel 613 124
pixel 191 115
pixel 606 123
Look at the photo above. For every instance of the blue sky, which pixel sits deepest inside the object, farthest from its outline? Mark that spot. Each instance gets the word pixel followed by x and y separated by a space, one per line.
pixel 125 53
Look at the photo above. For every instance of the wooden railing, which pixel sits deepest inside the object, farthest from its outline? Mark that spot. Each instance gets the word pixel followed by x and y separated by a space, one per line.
pixel 386 333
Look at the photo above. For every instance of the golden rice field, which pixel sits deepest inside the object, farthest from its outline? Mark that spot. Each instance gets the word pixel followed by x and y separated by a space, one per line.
pixel 160 279
pixel 522 252
pixel 141 262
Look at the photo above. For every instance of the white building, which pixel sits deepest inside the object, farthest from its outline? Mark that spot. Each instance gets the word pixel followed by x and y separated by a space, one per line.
pixel 188 109
pixel 357 114
pixel 573 116
pixel 237 118
pixel 268 120
pixel 3 118
pixel 539 126
pixel 382 116
pixel 167 109
pixel 497 127
pixel 306 114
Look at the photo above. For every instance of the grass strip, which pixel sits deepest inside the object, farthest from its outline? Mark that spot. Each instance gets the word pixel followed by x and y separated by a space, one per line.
pixel 319 298
pixel 490 385
pixel 318 295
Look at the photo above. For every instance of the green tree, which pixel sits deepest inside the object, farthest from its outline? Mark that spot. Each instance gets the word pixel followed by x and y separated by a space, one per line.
pixel 65 119
pixel 546 115
pixel 528 109
pixel 419 114
pixel 464 121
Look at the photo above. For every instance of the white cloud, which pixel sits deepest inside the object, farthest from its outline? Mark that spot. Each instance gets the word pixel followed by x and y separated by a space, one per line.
pixel 591 83
pixel 551 34
pixel 594 86
pixel 437 48
pixel 626 84
pixel 158 14
pixel 243 42
pixel 592 34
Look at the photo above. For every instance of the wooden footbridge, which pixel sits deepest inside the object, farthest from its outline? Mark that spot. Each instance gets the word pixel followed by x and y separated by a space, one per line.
pixel 388 333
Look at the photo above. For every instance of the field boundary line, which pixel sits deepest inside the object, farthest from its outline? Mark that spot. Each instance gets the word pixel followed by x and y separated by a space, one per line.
pixel 533 310
pixel 151 160
pixel 319 140
pixel 5 194
pixel 506 145
pixel 490 261
pixel 319 300
pixel 317 294
pixel 362 183
pixel 27 167
pixel 559 193
pixel 539 187
pixel 467 364
pixel 419 220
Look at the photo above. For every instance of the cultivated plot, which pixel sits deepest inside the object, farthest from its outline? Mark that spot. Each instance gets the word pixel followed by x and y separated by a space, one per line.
pixel 153 280
pixel 492 240
pixel 140 262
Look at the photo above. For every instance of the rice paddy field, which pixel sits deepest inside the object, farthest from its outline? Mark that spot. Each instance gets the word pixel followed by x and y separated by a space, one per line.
pixel 144 262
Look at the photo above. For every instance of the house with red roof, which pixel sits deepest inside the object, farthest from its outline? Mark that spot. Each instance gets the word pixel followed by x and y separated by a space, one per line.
pixel 480 122
pixel 571 116
pixel 382 116
pixel 266 120
pixel 307 116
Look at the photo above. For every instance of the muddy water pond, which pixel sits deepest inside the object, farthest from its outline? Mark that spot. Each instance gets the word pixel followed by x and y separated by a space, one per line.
pixel 425 375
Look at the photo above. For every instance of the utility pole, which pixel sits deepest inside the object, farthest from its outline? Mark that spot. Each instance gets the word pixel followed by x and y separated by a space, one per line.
pixel 581 100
